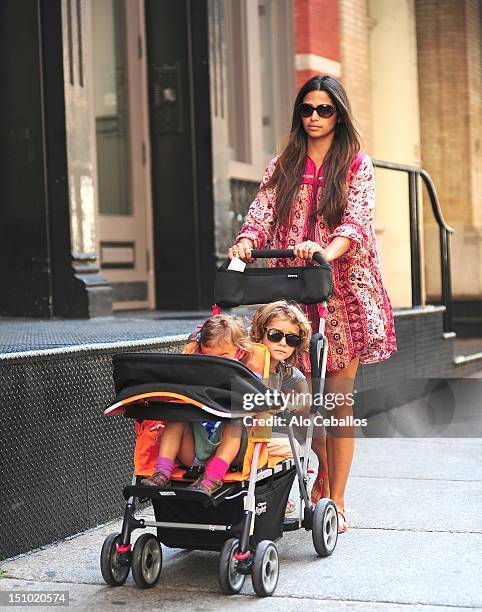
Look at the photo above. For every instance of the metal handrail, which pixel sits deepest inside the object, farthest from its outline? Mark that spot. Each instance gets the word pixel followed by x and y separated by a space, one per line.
pixel 414 172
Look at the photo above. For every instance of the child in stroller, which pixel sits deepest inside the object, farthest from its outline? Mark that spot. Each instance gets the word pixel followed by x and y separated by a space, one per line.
pixel 285 331
pixel 268 325
pixel 224 336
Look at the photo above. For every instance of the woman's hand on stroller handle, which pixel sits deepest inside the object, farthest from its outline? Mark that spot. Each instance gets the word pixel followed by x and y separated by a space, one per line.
pixel 242 250
pixel 317 256
pixel 308 248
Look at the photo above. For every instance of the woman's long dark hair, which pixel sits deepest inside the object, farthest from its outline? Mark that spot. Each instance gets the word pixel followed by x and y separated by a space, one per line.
pixel 336 165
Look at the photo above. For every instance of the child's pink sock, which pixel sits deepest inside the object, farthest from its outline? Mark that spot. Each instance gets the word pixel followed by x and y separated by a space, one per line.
pixel 216 468
pixel 165 465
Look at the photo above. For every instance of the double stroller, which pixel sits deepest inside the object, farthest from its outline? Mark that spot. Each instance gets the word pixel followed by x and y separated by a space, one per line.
pixel 246 516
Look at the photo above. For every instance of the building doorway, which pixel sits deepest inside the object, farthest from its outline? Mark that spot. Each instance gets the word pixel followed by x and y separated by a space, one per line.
pixel 124 223
pixel 177 42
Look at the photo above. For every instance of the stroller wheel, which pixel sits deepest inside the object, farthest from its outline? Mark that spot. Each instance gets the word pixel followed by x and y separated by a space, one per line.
pixel 146 561
pixel 325 527
pixel 265 569
pixel 231 582
pixel 114 570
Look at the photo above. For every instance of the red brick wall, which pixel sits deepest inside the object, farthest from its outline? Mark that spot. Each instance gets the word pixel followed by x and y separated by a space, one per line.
pixel 317 28
pixel 302 76
pixel 317 32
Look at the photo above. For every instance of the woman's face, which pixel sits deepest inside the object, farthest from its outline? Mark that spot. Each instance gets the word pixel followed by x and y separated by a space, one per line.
pixel 314 125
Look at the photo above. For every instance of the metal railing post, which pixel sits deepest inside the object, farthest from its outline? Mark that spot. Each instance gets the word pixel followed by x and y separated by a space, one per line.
pixel 415 239
pixel 446 278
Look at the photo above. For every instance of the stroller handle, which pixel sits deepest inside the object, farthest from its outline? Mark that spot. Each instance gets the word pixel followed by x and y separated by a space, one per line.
pixel 284 254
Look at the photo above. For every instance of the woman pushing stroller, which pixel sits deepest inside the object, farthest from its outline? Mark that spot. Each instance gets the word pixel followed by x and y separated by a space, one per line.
pixel 318 196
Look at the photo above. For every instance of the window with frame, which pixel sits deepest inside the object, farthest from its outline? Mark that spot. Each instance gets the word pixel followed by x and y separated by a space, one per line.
pixel 260 82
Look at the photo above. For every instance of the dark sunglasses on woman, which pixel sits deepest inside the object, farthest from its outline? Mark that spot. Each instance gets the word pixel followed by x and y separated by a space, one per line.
pixel 323 110
pixel 275 335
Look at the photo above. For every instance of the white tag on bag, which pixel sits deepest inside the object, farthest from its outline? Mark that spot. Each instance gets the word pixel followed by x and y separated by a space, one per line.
pixel 237 264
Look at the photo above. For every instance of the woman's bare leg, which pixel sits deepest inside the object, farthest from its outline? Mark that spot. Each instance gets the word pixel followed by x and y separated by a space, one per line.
pixel 341 439
pixel 318 446
pixel 320 449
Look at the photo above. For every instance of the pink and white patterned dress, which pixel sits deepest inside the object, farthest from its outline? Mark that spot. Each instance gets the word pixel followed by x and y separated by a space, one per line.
pixel 359 320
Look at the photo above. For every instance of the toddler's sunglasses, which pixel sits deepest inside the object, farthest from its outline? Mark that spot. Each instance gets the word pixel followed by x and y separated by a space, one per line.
pixel 275 335
pixel 323 110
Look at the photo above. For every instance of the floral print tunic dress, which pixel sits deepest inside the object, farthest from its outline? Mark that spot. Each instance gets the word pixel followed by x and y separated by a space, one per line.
pixel 359 319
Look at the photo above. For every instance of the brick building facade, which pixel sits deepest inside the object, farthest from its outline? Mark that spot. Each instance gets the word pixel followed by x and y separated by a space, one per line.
pixel 412 70
pixel 185 125
pixel 448 37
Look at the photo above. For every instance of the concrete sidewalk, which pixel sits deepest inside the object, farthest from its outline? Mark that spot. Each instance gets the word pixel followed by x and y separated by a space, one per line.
pixel 415 543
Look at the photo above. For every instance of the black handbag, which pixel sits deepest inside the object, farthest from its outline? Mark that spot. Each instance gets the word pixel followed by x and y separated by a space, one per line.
pixel 309 284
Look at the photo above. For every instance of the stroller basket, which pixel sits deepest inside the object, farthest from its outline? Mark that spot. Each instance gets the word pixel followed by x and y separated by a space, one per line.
pixel 305 284
pixel 271 496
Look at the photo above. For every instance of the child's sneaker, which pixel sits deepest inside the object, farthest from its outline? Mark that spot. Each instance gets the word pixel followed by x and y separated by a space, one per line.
pixel 206 484
pixel 158 479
